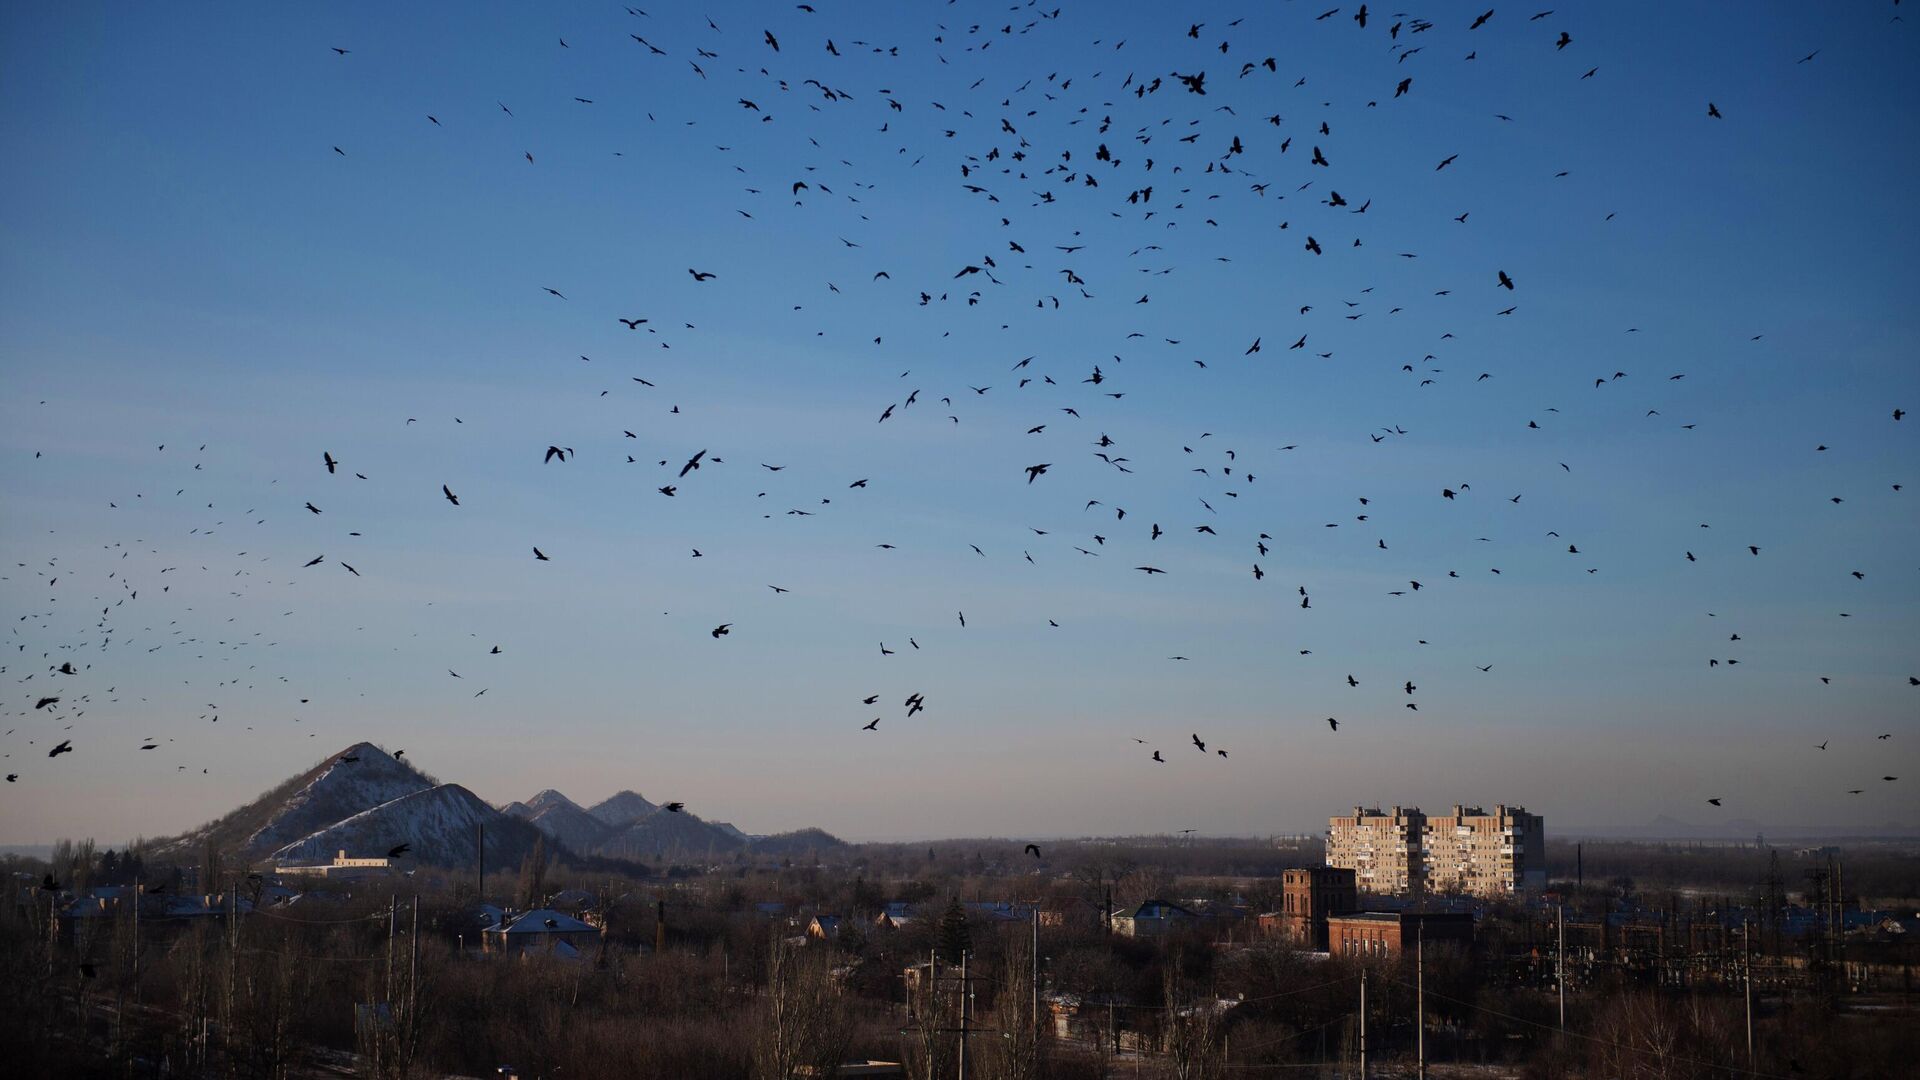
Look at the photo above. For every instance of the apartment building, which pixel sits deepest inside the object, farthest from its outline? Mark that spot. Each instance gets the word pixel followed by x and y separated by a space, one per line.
pixel 1478 853
pixel 1408 853
pixel 1383 849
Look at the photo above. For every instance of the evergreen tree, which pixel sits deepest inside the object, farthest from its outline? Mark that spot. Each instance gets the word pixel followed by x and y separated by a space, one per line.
pixel 954 938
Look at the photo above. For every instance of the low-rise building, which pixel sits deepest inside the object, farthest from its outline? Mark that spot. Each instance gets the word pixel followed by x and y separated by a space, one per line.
pixel 343 866
pixel 1152 919
pixel 542 931
pixel 895 915
pixel 1389 934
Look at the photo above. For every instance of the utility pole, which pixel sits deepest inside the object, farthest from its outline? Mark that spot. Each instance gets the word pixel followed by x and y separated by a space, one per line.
pixel 1363 1024
pixel 136 940
pixel 413 961
pixel 1561 963
pixel 1420 991
pixel 1750 1060
pixel 233 959
pixel 1036 982
pixel 965 988
pixel 393 922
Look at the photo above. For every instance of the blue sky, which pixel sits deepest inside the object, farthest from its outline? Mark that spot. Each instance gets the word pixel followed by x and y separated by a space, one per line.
pixel 187 261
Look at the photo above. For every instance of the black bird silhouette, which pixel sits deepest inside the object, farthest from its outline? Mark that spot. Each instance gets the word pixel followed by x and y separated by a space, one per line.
pixel 540 556
pixel 46 701
pixel 448 492
pixel 328 458
pixel 673 807
pixel 1715 802
pixel 65 747
pixel 722 630
pixel 398 850
pixel 1505 281
pixel 700 275
pixel 692 464
pixel 875 726
pixel 1198 743
pixel 1157 757
pixel 1033 850
pixel 1037 470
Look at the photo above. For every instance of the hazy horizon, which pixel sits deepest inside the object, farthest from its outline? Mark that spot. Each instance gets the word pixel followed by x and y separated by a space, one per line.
pixel 230 249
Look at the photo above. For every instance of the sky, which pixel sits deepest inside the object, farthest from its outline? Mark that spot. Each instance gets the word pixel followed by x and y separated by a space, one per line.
pixel 227 250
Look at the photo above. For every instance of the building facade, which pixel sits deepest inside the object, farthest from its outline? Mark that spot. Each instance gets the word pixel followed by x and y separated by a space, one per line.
pixel 343 867
pixel 1308 896
pixel 1389 934
pixel 1404 852
pixel 1383 849
pixel 1478 853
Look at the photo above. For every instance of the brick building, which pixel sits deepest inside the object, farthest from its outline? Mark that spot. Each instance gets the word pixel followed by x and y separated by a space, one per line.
pixel 1307 897
pixel 1388 934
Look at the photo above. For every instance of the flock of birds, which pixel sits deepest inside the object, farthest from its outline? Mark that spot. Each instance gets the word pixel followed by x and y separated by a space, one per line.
pixel 1151 145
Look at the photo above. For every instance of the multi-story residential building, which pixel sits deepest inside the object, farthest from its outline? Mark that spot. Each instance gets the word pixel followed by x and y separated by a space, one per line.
pixel 1384 850
pixel 1482 854
pixel 1405 852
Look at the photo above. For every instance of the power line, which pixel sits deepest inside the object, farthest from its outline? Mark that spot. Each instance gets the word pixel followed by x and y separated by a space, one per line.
pixel 1604 1042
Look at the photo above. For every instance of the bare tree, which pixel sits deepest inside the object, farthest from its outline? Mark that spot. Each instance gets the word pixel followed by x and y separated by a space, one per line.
pixel 1015 1052
pixel 1192 1035
pixel 806 1021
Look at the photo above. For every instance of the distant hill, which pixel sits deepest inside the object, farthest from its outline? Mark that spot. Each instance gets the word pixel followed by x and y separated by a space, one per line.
pixel 437 824
pixel 562 819
pixel 354 780
pixel 364 801
pixel 1664 827
pixel 665 834
pixel 798 842
pixel 623 809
